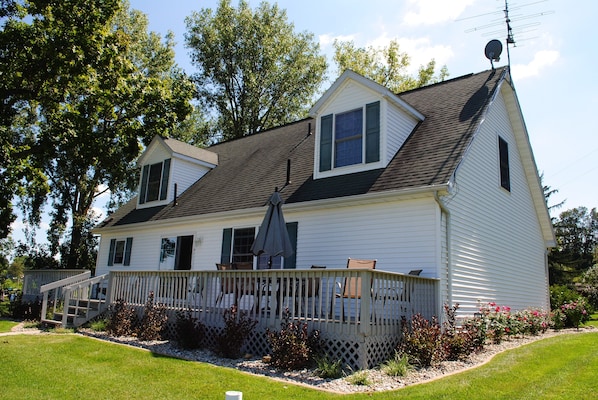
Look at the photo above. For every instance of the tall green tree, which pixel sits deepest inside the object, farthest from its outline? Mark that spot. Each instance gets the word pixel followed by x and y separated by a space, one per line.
pixel 254 71
pixel 576 232
pixel 106 87
pixel 386 66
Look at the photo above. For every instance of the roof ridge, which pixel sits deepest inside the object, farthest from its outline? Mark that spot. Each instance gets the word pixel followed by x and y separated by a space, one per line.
pixel 260 132
pixel 469 75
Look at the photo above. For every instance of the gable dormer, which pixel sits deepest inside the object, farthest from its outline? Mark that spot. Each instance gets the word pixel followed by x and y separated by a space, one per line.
pixel 169 162
pixel 360 125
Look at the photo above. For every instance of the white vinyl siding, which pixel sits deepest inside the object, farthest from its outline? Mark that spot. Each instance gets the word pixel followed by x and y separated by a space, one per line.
pixel 399 127
pixel 184 174
pixel 400 235
pixel 498 252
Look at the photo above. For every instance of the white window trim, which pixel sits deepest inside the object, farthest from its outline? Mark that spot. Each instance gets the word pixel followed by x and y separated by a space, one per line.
pixel 354 168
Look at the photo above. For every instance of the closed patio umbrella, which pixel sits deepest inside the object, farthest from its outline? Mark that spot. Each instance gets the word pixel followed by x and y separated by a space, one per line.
pixel 273 237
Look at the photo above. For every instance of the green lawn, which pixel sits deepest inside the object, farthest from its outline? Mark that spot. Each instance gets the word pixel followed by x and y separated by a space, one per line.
pixel 593 321
pixel 75 367
pixel 6 326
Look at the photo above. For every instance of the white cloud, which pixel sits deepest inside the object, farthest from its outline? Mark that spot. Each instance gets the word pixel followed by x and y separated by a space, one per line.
pixel 542 59
pixel 420 50
pixel 327 40
pixel 429 12
pixel 98 212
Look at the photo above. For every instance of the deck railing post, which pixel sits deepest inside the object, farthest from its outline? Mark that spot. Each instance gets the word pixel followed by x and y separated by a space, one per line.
pixel 108 295
pixel 366 303
pixel 65 306
pixel 44 305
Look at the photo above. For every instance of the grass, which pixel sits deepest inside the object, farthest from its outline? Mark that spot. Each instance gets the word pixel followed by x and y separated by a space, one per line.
pixel 6 326
pixel 593 321
pixel 74 367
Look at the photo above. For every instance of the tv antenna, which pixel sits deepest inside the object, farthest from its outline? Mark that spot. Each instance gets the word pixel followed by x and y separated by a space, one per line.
pixel 513 25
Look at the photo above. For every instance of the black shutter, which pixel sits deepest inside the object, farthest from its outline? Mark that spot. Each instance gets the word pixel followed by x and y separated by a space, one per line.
pixel 372 132
pixel 227 237
pixel 326 143
pixel 128 247
pixel 291 261
pixel 143 188
pixel 165 173
pixel 111 252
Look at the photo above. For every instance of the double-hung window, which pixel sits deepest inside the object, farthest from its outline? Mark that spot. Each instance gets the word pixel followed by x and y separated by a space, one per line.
pixel 237 243
pixel 120 251
pixel 350 138
pixel 154 182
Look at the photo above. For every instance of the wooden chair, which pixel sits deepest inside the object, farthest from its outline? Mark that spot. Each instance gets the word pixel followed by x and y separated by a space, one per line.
pixel 227 285
pixel 351 288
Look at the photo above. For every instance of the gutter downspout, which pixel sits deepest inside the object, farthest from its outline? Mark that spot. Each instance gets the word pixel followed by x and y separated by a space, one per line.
pixel 449 273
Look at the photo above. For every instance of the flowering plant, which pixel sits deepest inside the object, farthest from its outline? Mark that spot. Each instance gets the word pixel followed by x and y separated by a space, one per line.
pixel 572 314
pixel 501 322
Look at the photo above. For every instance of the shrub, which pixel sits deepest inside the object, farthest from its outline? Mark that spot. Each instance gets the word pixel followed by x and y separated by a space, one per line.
pixel 327 368
pixel 533 321
pixel 189 331
pixel 561 294
pixel 25 310
pixel 590 281
pixel 475 329
pixel 397 366
pixel 121 319
pixel 571 314
pixel 459 342
pixel 422 341
pixel 498 322
pixel 237 327
pixel 293 347
pixel 153 322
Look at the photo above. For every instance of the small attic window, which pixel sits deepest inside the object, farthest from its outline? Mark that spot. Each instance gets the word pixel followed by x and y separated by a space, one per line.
pixel 350 137
pixel 503 154
pixel 154 182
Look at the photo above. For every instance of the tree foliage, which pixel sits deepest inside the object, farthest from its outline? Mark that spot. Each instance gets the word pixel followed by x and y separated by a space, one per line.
pixel 254 71
pixel 576 231
pixel 85 84
pixel 386 66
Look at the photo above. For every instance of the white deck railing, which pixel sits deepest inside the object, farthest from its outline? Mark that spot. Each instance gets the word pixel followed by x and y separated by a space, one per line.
pixel 315 296
pixel 75 300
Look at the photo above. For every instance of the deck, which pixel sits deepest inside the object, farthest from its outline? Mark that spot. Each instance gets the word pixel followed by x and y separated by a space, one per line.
pixel 357 311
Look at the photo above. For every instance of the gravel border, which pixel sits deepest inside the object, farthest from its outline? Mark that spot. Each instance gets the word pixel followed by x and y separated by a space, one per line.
pixel 379 380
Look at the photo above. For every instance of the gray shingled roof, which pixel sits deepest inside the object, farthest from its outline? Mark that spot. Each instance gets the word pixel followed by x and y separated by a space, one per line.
pixel 250 168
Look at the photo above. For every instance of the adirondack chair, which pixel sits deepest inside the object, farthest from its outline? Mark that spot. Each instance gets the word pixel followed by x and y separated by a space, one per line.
pixel 351 287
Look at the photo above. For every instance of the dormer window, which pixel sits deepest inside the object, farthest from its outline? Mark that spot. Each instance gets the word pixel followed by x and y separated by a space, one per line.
pixel 350 137
pixel 154 182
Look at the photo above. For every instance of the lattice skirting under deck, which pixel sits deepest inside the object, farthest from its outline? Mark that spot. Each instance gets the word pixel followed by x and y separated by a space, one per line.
pixel 356 351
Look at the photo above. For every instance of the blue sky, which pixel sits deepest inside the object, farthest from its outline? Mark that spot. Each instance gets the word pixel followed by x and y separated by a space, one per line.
pixel 552 63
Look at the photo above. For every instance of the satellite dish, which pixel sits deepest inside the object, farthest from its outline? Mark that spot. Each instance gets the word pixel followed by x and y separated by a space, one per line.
pixel 493 50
